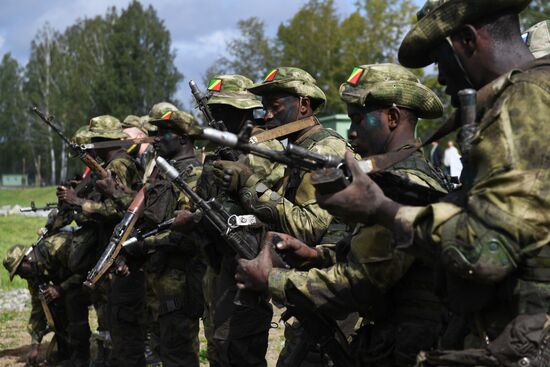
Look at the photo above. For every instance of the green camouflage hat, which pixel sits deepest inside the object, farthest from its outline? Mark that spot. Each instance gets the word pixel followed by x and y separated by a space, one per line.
pixel 79 136
pixel 184 123
pixel 13 258
pixel 291 80
pixel 439 19
pixel 537 39
pixel 232 90
pixel 388 84
pixel 138 122
pixel 145 121
pixel 161 108
pixel 105 126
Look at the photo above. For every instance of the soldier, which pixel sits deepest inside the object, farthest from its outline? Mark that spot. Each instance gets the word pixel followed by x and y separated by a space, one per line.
pixel 45 268
pixel 393 291
pixel 97 208
pixel 290 97
pixel 492 239
pixel 175 266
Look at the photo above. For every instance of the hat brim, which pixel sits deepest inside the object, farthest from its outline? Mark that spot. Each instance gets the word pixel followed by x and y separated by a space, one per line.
pixel 16 267
pixel 113 135
pixel 443 21
pixel 406 94
pixel 242 102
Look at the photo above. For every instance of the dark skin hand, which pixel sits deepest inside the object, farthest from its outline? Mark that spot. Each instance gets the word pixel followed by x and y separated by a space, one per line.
pixel 68 195
pixel 185 221
pixel 51 293
pixel 254 274
pixel 362 201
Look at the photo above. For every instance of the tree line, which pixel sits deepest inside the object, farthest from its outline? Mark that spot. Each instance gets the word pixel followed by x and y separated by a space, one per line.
pixel 122 63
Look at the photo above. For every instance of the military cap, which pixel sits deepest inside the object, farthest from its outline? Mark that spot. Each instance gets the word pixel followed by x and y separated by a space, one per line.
pixel 79 136
pixel 232 90
pixel 439 19
pixel 13 258
pixel 145 121
pixel 291 80
pixel 537 39
pixel 138 122
pixel 388 84
pixel 159 109
pixel 104 126
pixel 182 122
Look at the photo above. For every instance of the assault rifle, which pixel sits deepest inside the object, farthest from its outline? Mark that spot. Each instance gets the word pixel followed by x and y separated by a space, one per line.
pixel 245 244
pixel 76 150
pixel 34 208
pixel 331 172
pixel 119 236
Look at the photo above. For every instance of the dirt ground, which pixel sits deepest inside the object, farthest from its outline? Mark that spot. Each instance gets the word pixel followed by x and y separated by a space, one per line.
pixel 15 341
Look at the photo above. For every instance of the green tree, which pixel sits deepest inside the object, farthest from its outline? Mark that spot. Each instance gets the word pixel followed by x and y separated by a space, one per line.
pixel 311 40
pixel 139 64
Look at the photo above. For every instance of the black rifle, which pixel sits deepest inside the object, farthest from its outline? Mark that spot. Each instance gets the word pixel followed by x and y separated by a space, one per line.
pixel 244 243
pixel 141 234
pixel 34 208
pixel 331 174
pixel 202 104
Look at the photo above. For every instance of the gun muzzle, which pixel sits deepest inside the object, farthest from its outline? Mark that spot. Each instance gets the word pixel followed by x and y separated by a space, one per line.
pixel 220 137
pixel 169 170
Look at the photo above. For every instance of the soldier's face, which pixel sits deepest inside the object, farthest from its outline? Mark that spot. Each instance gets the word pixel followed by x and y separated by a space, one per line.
pixel 450 73
pixel 280 109
pixel 368 132
pixel 166 143
pixel 232 117
pixel 26 270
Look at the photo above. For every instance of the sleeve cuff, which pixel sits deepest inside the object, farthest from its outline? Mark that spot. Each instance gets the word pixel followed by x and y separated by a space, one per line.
pixel 276 283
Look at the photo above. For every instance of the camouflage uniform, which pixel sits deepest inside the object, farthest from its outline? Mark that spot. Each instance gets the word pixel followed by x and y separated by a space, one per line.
pixel 97 217
pixel 175 267
pixel 393 291
pixel 50 258
pixel 294 209
pixel 492 241
pixel 237 335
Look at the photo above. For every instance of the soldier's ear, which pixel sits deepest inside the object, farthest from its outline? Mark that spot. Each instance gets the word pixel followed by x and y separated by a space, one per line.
pixel 394 117
pixel 305 105
pixel 466 40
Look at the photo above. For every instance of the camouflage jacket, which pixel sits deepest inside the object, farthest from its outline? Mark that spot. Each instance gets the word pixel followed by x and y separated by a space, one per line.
pixel 52 257
pixel 493 240
pixel 371 268
pixel 293 197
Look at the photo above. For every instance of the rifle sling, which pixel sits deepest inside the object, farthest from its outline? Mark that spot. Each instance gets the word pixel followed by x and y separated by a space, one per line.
pixel 284 130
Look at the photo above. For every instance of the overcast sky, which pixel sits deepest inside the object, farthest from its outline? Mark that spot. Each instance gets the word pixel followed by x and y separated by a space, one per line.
pixel 199 28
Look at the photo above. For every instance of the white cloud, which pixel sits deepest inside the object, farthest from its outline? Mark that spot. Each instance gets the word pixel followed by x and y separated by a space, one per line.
pixel 2 41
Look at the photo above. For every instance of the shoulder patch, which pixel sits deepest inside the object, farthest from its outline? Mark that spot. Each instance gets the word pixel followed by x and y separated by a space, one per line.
pixel 215 85
pixel 355 75
pixel 271 75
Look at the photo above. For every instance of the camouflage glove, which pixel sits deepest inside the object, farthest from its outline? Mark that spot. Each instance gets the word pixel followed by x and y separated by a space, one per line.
pixel 234 175
pixel 265 210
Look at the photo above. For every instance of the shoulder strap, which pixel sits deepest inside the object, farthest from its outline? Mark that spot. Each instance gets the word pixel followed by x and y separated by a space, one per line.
pixel 283 130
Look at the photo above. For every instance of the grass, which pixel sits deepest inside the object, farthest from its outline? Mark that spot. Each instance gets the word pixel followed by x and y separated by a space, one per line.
pixel 23 197
pixel 16 229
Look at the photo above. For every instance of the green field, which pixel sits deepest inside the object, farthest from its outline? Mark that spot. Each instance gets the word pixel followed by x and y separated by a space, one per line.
pixel 16 229
pixel 23 197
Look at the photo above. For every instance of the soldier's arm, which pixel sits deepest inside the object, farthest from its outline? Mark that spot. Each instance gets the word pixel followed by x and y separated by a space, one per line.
pixel 304 218
pixel 356 285
pixel 37 321
pixel 507 215
pixel 127 177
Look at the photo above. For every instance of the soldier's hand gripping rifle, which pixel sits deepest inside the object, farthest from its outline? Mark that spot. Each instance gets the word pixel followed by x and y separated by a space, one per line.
pixel 76 150
pixel 34 208
pixel 121 232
